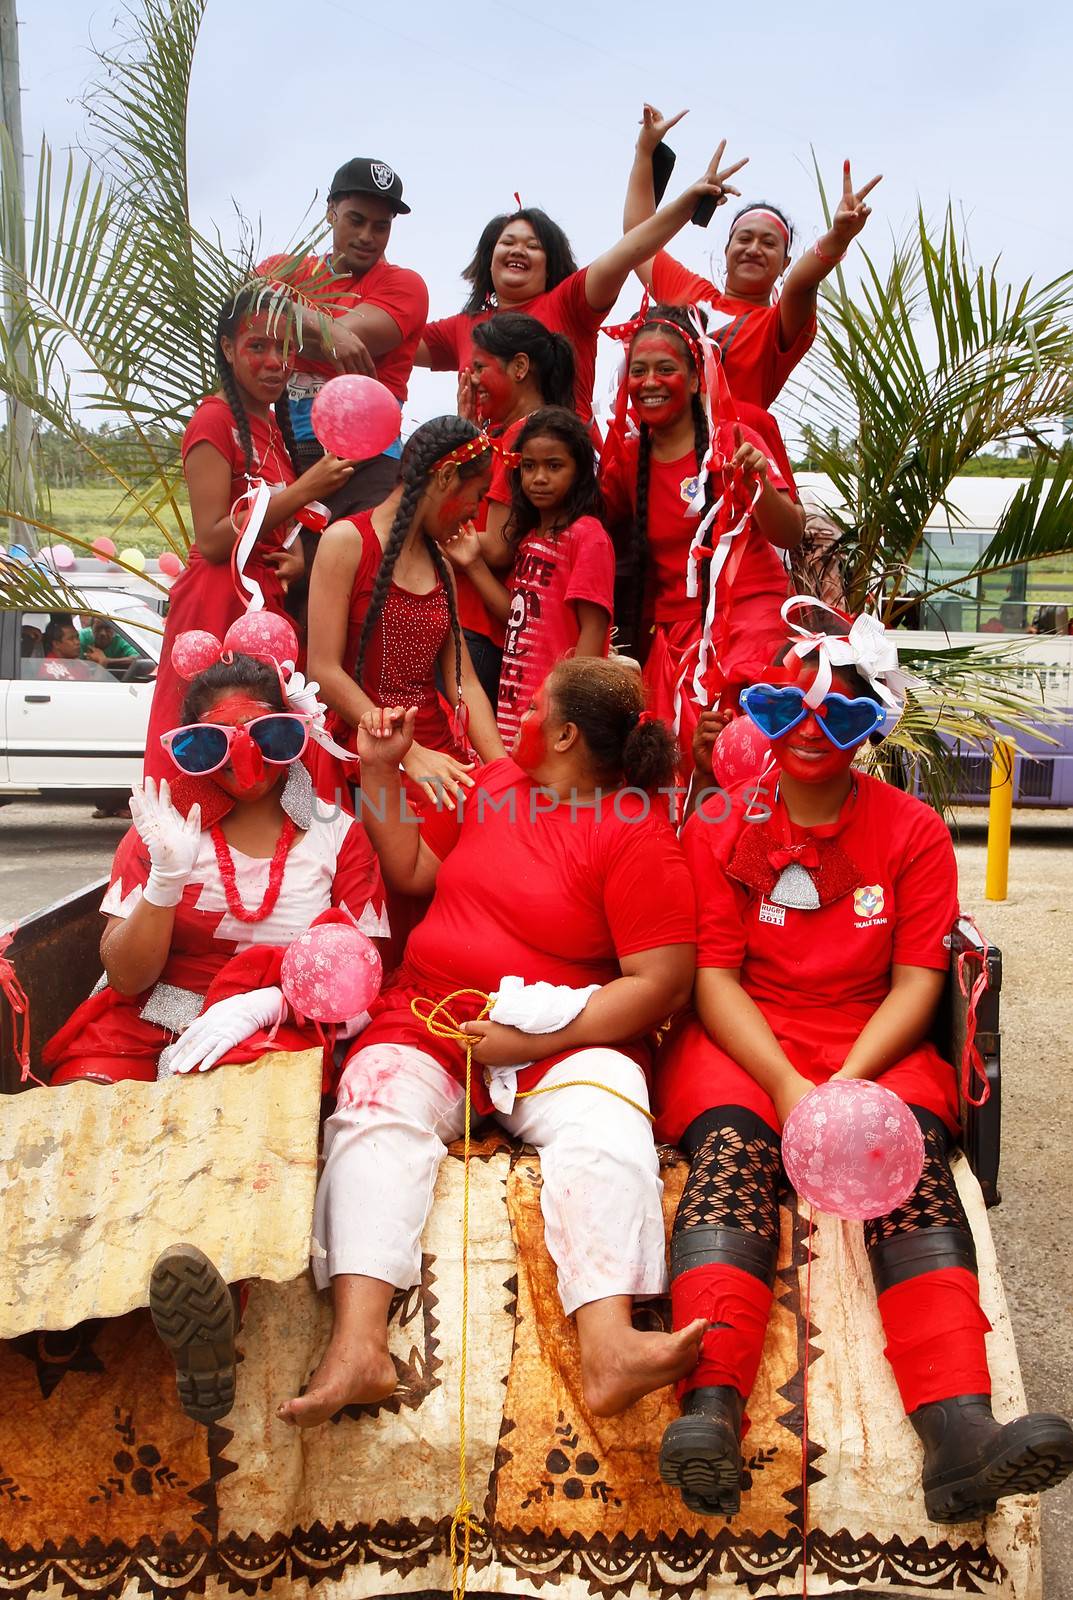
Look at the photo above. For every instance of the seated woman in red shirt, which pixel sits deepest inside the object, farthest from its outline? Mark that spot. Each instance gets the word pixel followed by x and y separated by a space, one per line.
pixel 701 647
pixel 235 436
pixel 523 262
pixel 558 875
pixel 383 614
pixel 518 366
pixel 823 950
pixel 761 339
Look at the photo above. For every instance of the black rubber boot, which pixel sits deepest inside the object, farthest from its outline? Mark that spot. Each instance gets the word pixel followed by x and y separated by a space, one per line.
pixel 971 1461
pixel 194 1313
pixel 701 1452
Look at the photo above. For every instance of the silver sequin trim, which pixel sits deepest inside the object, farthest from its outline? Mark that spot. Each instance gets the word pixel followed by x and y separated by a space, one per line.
pixel 297 796
pixel 795 889
pixel 172 1008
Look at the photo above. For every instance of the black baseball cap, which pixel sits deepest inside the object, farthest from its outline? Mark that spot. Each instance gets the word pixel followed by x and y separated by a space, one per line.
pixel 362 176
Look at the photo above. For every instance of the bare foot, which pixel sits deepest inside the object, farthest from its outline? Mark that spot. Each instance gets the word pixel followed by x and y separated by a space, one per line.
pixel 349 1374
pixel 617 1372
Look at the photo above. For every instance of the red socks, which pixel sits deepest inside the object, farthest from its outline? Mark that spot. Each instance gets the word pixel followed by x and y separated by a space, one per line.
pixel 730 1354
pixel 935 1336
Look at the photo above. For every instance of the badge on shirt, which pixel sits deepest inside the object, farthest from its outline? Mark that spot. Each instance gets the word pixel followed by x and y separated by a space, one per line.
pixel 776 915
pixel 868 901
pixel 688 489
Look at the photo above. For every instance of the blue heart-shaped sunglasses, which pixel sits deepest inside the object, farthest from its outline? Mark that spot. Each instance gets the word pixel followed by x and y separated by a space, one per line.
pixel 845 722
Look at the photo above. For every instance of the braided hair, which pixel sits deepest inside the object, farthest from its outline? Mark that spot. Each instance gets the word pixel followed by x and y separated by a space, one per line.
pixel 667 319
pixel 429 444
pixel 247 303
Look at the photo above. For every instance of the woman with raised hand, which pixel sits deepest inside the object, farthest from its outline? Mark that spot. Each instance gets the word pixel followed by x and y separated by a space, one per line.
pixel 524 262
pixel 563 873
pixel 220 872
pixel 761 336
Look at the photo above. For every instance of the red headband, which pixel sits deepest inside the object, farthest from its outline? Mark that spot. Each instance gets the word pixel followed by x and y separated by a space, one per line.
pixel 761 211
pixel 476 447
pixel 626 332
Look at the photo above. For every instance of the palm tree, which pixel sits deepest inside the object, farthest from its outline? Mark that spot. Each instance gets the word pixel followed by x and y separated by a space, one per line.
pixel 930 363
pixel 114 292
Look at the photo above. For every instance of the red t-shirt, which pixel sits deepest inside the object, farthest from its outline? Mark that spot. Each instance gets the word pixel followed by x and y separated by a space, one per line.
pixel 551 574
pixel 563 309
pixel 557 895
pixel 214 423
pixel 749 337
pixel 671 527
pixel 836 958
pixel 396 290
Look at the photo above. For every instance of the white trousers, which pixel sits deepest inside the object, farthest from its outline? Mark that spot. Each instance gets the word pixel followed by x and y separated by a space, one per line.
pixel 398 1109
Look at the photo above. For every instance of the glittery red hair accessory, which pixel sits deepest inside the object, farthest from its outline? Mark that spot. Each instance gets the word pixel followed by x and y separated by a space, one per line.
pixel 477 446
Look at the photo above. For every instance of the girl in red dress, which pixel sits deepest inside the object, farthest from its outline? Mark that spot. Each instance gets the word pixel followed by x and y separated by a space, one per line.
pixel 824 943
pixel 761 339
pixel 523 262
pixel 559 875
pixel 518 366
pixel 235 436
pixel 559 599
pixel 383 614
pixel 703 622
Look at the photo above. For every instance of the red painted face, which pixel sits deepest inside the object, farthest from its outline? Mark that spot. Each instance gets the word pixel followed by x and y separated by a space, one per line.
pixel 245 776
pixel 530 746
pixel 495 386
pixel 805 753
pixel 457 503
pixel 660 380
pixel 257 358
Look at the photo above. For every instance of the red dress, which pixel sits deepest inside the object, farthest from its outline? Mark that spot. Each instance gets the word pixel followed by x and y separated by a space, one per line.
pixel 750 590
pixel 204 594
pixel 213 954
pixel 555 895
pixel 816 975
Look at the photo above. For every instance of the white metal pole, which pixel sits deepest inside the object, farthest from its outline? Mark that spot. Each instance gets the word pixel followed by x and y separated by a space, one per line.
pixel 20 422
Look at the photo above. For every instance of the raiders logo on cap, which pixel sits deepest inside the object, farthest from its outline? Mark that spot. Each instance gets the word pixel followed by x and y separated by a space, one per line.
pixel 383 176
pixel 362 176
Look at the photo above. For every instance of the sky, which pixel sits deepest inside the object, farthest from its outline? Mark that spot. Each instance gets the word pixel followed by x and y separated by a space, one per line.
pixel 472 100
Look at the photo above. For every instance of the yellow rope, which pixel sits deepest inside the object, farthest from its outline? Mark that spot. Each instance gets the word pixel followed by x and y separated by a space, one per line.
pixel 442 1025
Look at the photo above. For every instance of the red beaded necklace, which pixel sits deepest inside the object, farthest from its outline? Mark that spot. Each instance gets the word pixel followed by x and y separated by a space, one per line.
pixel 226 864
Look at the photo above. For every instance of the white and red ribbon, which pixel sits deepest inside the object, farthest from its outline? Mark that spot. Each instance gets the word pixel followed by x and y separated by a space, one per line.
pixel 866 645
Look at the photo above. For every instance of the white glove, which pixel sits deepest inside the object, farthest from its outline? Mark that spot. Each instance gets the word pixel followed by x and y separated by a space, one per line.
pixel 302 697
pixel 538 1007
pixel 173 841
pixel 220 1028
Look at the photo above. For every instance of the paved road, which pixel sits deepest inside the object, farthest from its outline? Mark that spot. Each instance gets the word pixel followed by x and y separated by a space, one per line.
pixel 48 850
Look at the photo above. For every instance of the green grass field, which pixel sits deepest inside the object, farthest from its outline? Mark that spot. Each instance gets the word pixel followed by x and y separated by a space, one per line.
pixel 91 511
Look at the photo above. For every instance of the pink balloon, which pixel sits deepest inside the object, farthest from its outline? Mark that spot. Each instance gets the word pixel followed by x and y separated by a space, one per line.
pixel 61 556
pixel 263 633
pixel 193 651
pixel 853 1149
pixel 332 973
pixel 103 548
pixel 356 417
pixel 169 564
pixel 740 753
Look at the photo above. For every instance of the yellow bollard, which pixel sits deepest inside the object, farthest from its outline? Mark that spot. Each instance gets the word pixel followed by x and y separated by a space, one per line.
pixel 999 820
